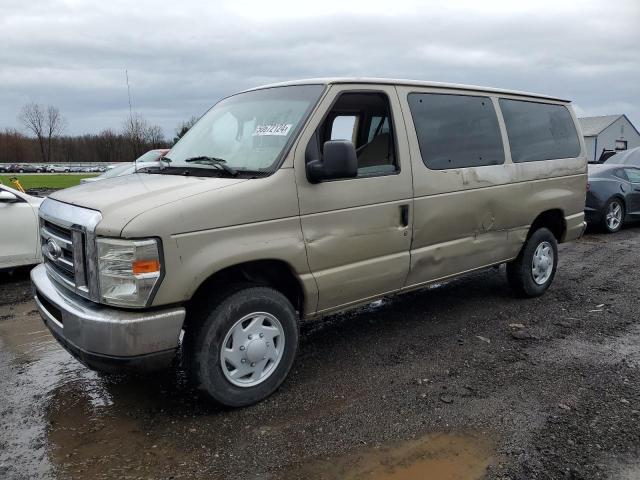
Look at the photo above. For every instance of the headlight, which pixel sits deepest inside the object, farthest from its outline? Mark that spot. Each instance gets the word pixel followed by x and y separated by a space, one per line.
pixel 128 270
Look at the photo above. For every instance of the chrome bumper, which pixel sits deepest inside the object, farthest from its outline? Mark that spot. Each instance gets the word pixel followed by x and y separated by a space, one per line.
pixel 106 338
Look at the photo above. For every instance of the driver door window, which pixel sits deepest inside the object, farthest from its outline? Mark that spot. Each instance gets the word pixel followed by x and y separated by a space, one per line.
pixel 363 118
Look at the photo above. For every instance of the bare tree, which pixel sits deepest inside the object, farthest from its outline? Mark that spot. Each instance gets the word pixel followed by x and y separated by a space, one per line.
pixel 14 146
pixel 55 126
pixel 154 136
pixel 134 129
pixel 141 135
pixel 108 146
pixel 45 123
pixel 32 117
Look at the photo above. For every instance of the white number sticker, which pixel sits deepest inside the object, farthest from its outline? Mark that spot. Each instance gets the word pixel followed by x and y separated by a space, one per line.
pixel 280 129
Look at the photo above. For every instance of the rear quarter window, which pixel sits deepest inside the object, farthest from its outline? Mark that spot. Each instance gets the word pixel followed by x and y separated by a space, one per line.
pixel 456 131
pixel 539 131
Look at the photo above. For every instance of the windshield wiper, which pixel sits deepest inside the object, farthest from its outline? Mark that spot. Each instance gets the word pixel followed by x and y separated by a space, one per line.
pixel 215 161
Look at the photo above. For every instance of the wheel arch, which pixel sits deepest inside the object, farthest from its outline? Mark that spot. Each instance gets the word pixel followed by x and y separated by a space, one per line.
pixel 553 220
pixel 618 196
pixel 274 273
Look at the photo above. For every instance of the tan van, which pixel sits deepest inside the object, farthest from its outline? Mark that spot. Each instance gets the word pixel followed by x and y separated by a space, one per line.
pixel 295 200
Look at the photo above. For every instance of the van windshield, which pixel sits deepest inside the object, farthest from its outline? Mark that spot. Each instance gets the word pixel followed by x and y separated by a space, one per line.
pixel 248 131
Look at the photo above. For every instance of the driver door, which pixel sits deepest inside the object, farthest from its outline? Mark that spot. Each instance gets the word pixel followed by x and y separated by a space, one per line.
pixel 357 231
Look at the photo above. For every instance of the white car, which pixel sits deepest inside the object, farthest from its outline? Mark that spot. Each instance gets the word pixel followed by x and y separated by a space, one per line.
pixel 57 169
pixel 148 160
pixel 19 229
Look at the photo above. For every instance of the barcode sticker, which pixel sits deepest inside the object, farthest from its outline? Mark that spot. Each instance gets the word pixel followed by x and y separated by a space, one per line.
pixel 280 129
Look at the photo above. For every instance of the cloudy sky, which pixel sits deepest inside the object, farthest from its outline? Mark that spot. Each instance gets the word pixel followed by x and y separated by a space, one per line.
pixel 183 56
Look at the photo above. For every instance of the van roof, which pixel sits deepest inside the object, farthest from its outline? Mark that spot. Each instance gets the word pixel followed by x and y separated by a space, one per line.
pixel 415 83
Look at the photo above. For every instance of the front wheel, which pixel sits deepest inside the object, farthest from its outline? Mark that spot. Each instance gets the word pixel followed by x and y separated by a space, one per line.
pixel 531 273
pixel 240 347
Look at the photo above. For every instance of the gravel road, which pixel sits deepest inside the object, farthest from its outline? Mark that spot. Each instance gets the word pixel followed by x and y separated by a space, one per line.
pixel 461 380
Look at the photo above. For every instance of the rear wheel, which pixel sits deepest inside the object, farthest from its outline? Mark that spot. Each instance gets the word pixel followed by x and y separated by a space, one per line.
pixel 613 216
pixel 240 347
pixel 531 273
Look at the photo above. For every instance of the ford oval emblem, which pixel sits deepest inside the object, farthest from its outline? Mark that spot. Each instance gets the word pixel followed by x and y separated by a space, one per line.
pixel 54 249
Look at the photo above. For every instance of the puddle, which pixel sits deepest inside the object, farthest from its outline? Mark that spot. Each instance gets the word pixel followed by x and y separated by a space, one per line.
pixel 434 457
pixel 29 357
pixel 24 334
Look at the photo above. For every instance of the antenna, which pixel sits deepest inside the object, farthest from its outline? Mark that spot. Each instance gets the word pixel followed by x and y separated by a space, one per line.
pixel 126 74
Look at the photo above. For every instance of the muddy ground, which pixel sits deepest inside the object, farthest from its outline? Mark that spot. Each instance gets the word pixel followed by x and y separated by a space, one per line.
pixel 462 381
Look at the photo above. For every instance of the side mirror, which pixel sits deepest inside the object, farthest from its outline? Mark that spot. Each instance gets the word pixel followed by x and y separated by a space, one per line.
pixel 339 161
pixel 8 197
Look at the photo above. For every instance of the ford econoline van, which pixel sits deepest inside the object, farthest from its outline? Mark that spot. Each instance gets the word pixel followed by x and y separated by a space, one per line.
pixel 295 200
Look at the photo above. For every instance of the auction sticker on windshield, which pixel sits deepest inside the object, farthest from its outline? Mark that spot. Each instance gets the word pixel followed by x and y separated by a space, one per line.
pixel 280 129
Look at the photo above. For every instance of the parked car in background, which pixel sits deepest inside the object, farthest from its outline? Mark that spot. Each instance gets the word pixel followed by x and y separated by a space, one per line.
pixel 613 195
pixel 626 157
pixel 148 160
pixel 57 168
pixel 27 168
pixel 292 201
pixel 19 235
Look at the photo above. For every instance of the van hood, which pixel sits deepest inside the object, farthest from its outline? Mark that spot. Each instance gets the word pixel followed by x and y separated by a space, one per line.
pixel 120 199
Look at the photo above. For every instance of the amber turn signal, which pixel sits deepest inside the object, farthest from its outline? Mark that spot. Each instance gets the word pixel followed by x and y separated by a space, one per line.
pixel 145 266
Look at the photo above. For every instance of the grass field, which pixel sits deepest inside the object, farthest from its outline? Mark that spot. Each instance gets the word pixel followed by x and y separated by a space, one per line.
pixel 49 180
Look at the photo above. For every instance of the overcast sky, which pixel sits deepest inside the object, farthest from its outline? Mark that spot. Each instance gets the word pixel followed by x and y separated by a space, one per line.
pixel 183 56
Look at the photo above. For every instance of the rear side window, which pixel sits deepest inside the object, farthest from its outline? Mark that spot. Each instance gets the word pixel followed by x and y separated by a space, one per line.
pixel 539 131
pixel 620 174
pixel 456 131
pixel 633 174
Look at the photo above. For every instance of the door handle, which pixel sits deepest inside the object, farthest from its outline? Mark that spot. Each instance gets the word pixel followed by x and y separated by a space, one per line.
pixel 404 215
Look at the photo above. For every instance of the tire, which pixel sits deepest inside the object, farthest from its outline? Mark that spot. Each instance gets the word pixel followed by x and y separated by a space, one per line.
pixel 221 321
pixel 613 215
pixel 523 277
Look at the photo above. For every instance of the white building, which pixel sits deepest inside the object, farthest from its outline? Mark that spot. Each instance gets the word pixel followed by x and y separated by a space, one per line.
pixel 609 132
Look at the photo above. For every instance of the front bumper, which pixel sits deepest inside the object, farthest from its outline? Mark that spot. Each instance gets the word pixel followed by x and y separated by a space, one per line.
pixel 105 338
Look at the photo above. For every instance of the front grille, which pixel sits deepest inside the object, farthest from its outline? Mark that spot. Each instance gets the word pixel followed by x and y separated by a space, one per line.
pixel 63 253
pixel 67 240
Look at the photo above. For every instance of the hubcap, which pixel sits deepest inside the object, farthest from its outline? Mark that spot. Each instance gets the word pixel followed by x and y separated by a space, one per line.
pixel 252 349
pixel 542 264
pixel 614 216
